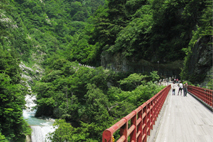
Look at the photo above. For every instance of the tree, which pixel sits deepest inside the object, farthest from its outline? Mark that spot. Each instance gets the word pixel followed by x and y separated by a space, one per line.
pixel 13 126
pixel 63 132
pixel 132 81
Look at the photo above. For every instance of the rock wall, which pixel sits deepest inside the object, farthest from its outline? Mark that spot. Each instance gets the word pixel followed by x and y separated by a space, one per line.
pixel 117 62
pixel 28 138
pixel 30 74
pixel 208 78
pixel 200 61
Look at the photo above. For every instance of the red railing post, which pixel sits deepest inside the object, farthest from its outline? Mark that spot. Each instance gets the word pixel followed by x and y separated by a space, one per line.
pixel 107 136
pixel 133 134
pixel 144 127
pixel 208 97
pixel 123 131
pixel 150 127
pixel 148 118
pixel 140 131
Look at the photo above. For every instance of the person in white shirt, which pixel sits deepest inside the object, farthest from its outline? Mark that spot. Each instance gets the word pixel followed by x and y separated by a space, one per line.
pixel 180 88
pixel 173 88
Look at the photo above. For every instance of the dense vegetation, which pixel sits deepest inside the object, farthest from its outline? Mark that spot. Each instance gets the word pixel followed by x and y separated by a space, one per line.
pixel 60 33
pixel 45 26
pixel 79 30
pixel 203 30
pixel 12 124
pixel 140 29
pixel 136 29
pixel 90 98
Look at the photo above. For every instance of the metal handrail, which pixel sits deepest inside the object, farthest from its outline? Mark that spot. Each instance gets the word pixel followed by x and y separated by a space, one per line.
pixel 142 120
pixel 204 94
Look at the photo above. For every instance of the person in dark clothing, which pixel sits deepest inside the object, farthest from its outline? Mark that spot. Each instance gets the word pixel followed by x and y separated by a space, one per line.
pixel 185 89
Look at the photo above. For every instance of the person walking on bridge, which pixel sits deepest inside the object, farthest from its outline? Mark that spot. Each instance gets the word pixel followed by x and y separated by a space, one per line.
pixel 173 88
pixel 185 89
pixel 180 88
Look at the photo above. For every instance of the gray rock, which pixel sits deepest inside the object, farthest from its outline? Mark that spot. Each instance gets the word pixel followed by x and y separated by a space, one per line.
pixel 24 68
pixel 200 61
pixel 119 63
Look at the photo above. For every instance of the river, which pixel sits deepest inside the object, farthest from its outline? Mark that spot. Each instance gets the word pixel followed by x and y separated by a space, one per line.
pixel 40 127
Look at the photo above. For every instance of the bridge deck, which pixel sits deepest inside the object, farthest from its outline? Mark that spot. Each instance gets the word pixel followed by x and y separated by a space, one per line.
pixel 185 120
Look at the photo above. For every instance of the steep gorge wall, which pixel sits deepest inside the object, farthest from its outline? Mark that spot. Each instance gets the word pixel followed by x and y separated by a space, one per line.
pixel 118 62
pixel 200 61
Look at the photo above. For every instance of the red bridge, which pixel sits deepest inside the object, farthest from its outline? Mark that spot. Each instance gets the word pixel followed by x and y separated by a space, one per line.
pixel 168 118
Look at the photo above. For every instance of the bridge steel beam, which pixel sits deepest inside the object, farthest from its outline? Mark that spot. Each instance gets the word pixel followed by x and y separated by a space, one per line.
pixel 142 120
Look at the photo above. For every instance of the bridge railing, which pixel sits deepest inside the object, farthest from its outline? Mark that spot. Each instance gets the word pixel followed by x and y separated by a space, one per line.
pixel 142 120
pixel 204 94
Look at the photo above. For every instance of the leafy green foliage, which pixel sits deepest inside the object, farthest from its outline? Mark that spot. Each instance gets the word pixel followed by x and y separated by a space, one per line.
pixel 204 29
pixel 37 28
pixel 12 124
pixel 57 32
pixel 137 29
pixel 132 81
pixel 210 83
pixel 154 76
pixel 90 98
pixel 82 30
pixel 63 132
pixel 2 138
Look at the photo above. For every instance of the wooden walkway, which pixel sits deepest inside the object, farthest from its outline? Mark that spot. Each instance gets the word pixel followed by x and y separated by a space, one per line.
pixel 185 120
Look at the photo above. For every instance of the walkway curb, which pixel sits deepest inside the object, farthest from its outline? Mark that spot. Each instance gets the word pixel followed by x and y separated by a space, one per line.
pixel 202 102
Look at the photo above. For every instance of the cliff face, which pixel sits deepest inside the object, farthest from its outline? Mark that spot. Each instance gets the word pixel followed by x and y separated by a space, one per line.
pixel 118 62
pixel 200 61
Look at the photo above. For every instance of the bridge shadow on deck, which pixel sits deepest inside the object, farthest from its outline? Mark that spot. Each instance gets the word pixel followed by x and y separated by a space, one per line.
pixel 184 119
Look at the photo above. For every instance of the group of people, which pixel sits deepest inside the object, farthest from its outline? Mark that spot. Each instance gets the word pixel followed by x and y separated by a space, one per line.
pixel 182 87
pixel 176 80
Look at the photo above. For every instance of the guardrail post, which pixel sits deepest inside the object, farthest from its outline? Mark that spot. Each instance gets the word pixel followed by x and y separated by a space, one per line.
pixel 148 118
pixel 140 126
pixel 152 114
pixel 155 110
pixel 107 136
pixel 133 134
pixel 209 99
pixel 144 136
pixel 123 130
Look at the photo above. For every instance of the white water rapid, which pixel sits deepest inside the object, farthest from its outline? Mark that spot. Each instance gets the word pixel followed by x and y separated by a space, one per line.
pixel 40 127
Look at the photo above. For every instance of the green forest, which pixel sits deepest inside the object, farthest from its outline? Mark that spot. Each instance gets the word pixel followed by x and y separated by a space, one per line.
pixel 61 36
